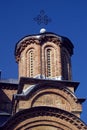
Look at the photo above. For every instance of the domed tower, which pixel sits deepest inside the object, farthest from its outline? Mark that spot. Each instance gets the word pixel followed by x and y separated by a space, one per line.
pixel 45 55
pixel 45 99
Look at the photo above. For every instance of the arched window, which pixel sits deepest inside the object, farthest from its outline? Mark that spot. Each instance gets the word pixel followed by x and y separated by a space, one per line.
pixel 49 63
pixel 31 63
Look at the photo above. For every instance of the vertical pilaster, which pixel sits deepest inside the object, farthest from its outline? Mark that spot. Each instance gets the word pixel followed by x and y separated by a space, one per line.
pixel 59 61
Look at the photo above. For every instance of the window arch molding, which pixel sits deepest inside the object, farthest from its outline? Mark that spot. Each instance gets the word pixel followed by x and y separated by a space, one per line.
pixel 49 55
pixel 30 62
pixel 50 46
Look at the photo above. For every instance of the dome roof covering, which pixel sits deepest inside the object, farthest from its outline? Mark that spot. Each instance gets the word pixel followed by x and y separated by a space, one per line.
pixel 41 37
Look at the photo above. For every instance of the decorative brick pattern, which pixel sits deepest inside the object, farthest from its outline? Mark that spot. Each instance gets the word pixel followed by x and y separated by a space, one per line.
pixel 46 100
pixel 60 56
pixel 37 117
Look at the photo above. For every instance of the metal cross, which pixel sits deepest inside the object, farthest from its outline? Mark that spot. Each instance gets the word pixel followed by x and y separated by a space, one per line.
pixel 42 18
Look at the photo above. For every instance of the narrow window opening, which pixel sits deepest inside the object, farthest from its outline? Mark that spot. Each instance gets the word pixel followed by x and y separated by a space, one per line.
pixel 48 62
pixel 31 63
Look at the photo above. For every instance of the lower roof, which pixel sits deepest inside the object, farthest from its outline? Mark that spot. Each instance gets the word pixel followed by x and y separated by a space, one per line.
pixel 9 84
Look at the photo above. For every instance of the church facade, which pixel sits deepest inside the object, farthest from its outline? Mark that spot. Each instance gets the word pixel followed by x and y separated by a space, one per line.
pixel 43 97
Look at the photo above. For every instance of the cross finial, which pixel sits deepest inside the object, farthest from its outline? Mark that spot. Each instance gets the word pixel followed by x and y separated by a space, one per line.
pixel 42 18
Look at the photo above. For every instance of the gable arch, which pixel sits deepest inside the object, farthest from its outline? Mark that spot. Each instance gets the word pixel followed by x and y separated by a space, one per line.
pixel 51 98
pixel 68 98
pixel 62 96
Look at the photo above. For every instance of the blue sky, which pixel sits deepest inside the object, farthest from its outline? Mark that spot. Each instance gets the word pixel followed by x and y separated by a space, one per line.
pixel 69 18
